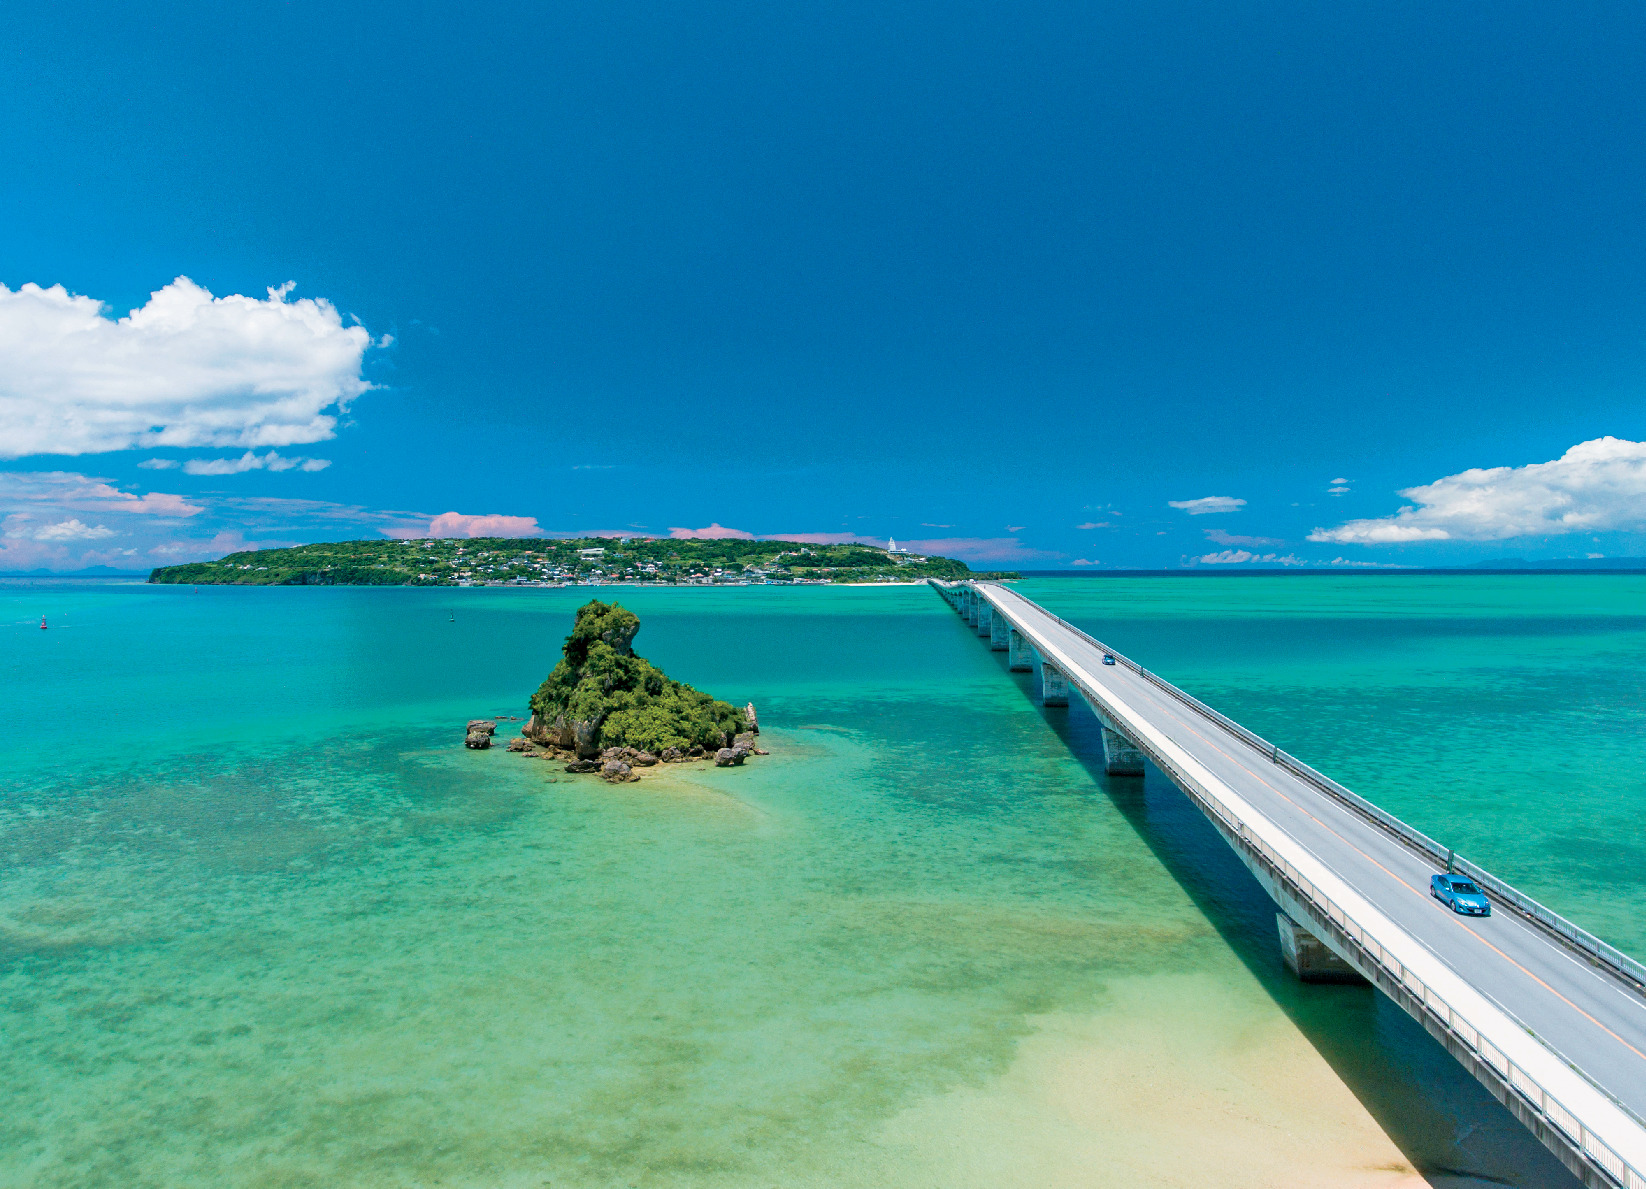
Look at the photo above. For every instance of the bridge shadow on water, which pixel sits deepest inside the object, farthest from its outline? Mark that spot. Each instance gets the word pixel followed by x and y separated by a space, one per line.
pixel 1444 1121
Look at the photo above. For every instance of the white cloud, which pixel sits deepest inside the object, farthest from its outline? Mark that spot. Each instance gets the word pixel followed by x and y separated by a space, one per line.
pixel 1093 524
pixel 71 491
pixel 252 462
pixel 1081 561
pixel 159 464
pixel 1595 486
pixel 185 369
pixel 1235 557
pixel 1210 503
pixel 461 524
pixel 73 530
pixel 715 532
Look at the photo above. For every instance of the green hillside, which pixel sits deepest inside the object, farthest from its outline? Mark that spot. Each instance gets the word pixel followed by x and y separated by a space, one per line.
pixel 531 560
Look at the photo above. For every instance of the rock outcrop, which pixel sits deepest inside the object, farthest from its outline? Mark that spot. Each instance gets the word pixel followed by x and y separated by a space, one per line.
pixel 602 695
pixel 605 710
pixel 617 772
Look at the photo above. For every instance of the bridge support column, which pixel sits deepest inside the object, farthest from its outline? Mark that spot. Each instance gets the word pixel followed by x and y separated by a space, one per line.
pixel 968 608
pixel 1307 956
pixel 999 633
pixel 1019 656
pixel 1120 757
pixel 1054 685
pixel 985 617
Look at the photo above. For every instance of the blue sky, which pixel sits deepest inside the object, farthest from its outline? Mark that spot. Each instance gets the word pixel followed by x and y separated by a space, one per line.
pixel 967 275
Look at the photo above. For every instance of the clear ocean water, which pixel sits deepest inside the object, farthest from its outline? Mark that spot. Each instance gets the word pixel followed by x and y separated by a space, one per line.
pixel 265 922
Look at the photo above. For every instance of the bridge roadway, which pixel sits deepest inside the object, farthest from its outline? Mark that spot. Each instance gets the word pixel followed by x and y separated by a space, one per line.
pixel 1591 1018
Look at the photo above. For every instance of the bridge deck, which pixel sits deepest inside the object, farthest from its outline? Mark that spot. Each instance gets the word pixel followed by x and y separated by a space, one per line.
pixel 1592 1018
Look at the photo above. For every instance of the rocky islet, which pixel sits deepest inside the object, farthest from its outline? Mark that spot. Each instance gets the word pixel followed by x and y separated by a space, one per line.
pixel 605 711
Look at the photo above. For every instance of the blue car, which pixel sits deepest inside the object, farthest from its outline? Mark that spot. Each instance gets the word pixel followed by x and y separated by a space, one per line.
pixel 1108 658
pixel 1460 895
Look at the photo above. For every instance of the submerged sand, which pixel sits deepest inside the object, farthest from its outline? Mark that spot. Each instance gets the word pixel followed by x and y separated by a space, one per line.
pixel 1178 1081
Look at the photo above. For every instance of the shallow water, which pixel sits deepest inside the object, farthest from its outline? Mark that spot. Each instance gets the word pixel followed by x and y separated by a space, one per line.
pixel 264 921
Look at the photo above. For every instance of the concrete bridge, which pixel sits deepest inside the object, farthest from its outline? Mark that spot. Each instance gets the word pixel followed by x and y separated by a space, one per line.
pixel 1549 1018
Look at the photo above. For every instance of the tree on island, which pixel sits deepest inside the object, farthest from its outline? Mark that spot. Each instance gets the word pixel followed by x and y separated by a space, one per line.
pixel 602 695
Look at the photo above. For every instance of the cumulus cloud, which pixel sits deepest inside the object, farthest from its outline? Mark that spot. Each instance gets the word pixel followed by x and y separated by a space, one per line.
pixel 460 524
pixel 159 464
pixel 185 369
pixel 1218 537
pixel 1596 486
pixel 1081 561
pixel 250 461
pixel 1093 524
pixel 715 532
pixel 73 530
pixel 1235 557
pixel 1206 504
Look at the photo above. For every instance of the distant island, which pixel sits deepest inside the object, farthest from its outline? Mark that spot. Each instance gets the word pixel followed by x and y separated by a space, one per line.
pixel 532 561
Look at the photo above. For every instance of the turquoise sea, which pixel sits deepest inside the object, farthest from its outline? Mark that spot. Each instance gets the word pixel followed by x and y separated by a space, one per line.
pixel 265 922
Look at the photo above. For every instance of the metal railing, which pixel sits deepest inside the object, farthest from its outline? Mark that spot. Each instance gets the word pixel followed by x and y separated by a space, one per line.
pixel 1600 952
pixel 1519 1080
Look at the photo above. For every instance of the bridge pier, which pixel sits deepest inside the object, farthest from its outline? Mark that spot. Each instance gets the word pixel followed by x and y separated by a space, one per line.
pixel 1054 685
pixel 999 633
pixel 1019 656
pixel 985 617
pixel 1120 757
pixel 1309 958
pixel 968 607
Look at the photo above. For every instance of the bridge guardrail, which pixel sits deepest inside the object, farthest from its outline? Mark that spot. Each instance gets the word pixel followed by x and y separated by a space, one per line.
pixel 1435 1004
pixel 1519 1080
pixel 1600 952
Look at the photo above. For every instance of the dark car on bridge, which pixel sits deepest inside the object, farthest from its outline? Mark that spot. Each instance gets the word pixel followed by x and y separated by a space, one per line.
pixel 1460 895
pixel 1108 658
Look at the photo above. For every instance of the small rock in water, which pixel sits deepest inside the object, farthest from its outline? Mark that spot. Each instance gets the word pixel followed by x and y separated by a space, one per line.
pixel 752 719
pixel 727 756
pixel 745 740
pixel 583 766
pixel 518 744
pixel 644 759
pixel 478 740
pixel 672 755
pixel 616 772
